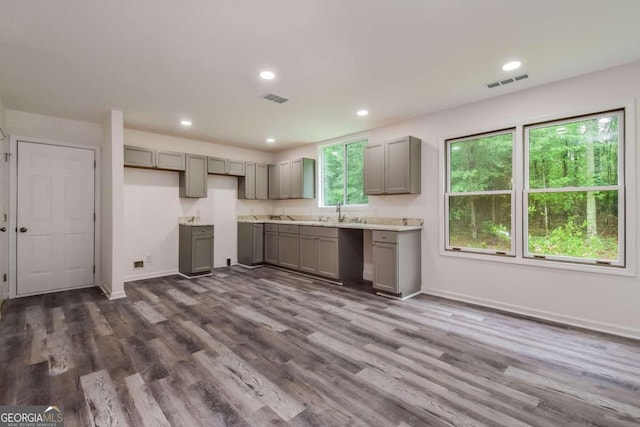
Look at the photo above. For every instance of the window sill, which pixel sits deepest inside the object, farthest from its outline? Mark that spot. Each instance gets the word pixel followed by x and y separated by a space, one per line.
pixel 543 263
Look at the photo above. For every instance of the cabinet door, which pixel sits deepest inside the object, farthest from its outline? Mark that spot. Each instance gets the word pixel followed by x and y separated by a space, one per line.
pixel 201 253
pixel 296 179
pixel 289 250
pixel 328 260
pixel 385 267
pixel 274 182
pixel 139 157
pixel 374 168
pixel 258 243
pixel 271 248
pixel 169 160
pixel 247 183
pixel 235 168
pixel 397 177
pixel 217 166
pixel 262 181
pixel 193 181
pixel 309 254
pixel 284 180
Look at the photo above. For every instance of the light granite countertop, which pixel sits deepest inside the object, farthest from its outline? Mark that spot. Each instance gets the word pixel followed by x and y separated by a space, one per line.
pixel 356 225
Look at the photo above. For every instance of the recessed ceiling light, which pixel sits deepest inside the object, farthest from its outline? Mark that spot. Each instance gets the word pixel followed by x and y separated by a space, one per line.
pixel 185 122
pixel 362 113
pixel 267 75
pixel 271 140
pixel 510 66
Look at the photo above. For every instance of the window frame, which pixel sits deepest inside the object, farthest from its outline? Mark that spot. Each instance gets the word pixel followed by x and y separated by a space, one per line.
pixel 448 194
pixel 620 188
pixel 630 178
pixel 321 163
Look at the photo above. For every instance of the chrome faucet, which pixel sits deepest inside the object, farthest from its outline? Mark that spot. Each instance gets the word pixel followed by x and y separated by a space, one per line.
pixel 339 210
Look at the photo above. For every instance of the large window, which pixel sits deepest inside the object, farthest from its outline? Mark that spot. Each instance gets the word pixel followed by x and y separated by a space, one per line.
pixel 480 193
pixel 342 174
pixel 563 200
pixel 573 189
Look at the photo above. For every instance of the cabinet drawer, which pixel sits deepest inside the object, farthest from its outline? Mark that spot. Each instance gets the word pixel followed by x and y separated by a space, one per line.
pixel 202 230
pixel 309 230
pixel 271 227
pixel 385 236
pixel 292 229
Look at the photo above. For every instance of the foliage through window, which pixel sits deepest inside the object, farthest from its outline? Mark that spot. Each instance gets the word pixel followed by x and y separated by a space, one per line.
pixel 480 192
pixel 573 188
pixel 342 174
pixel 572 184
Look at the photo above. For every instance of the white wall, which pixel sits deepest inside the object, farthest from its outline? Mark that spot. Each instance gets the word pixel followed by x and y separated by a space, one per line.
pixel 47 127
pixel 112 207
pixel 152 206
pixel 599 301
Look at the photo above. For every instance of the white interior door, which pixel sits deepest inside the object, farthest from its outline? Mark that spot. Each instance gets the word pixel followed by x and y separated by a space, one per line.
pixel 4 217
pixel 55 218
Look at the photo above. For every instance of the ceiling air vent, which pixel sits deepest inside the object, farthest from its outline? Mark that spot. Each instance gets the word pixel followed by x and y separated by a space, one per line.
pixel 507 81
pixel 275 98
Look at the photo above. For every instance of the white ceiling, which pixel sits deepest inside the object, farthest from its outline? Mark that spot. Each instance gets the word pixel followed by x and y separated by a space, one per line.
pixel 163 60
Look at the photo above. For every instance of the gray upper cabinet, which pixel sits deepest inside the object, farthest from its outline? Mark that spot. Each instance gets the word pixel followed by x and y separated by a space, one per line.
pixel 220 166
pixel 303 174
pixel 235 167
pixel 262 181
pixel 147 158
pixel 193 181
pixel 217 165
pixel 170 160
pixel 247 183
pixel 284 180
pixel 393 167
pixel 402 166
pixel 139 157
pixel 293 179
pixel 274 181
pixel 374 168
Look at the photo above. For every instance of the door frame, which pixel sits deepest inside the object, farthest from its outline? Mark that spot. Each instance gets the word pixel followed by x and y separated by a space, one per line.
pixel 13 207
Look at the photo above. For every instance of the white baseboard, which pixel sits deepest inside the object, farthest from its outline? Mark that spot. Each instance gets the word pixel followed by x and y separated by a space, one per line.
pixel 150 275
pixel 608 328
pixel 110 295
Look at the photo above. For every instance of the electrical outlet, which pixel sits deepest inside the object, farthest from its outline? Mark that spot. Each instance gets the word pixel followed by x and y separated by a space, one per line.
pixel 138 264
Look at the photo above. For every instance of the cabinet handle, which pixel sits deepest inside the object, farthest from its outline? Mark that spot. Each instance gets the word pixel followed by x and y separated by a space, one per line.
pixel 384 236
pixel 204 229
pixel 374 243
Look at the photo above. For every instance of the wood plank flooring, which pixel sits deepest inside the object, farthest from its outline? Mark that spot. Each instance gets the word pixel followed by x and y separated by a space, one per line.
pixel 266 347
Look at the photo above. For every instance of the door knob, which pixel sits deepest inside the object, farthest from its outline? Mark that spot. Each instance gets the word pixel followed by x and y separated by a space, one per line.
pixel 3 229
pixel 23 229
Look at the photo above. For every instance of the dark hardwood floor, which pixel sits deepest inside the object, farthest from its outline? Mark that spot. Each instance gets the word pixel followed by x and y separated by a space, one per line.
pixel 266 347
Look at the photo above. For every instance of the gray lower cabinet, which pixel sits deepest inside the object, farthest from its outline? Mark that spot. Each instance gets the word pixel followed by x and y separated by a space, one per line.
pixel 195 251
pixel 193 181
pixel 247 183
pixel 250 243
pixel 393 167
pixel 289 246
pixel 271 244
pixel 262 181
pixel 274 181
pixel 330 252
pixel 396 261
